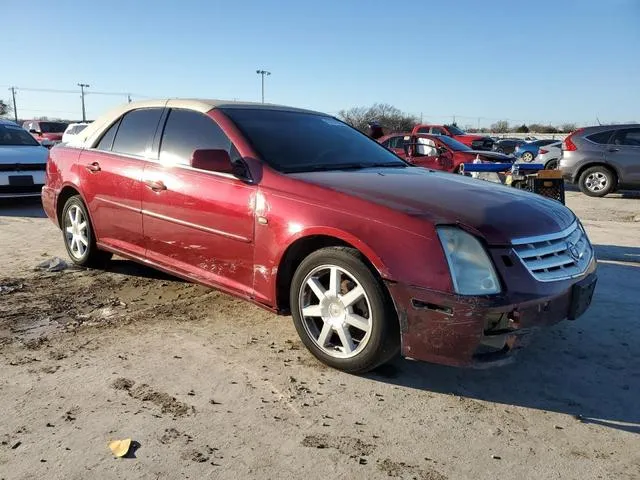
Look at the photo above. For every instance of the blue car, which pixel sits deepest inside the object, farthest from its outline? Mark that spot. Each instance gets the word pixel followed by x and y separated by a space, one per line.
pixel 528 151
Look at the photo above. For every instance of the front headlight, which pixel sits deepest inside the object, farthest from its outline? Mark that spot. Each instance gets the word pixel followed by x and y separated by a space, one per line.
pixel 471 268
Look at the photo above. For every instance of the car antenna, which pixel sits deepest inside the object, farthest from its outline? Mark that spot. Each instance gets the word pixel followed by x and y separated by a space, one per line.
pixel 598 120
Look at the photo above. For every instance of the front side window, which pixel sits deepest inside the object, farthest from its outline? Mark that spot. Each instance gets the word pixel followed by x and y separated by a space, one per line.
pixel 454 144
pixel 186 131
pixel 628 137
pixel 397 142
pixel 136 131
pixel 300 141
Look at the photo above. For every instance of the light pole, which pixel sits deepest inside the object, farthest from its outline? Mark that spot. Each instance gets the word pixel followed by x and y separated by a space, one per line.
pixel 263 73
pixel 82 87
pixel 15 109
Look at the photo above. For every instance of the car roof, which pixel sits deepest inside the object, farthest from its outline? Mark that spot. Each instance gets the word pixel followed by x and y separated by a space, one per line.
pixel 201 105
pixel 4 121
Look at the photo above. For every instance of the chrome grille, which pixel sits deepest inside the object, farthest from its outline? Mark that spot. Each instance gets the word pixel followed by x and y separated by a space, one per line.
pixel 557 256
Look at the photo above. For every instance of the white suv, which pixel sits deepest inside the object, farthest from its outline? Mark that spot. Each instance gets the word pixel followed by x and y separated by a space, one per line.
pixel 72 130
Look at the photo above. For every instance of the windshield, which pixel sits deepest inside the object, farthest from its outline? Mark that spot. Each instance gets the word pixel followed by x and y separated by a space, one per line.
pixel 454 130
pixel 13 135
pixel 299 141
pixel 454 144
pixel 52 127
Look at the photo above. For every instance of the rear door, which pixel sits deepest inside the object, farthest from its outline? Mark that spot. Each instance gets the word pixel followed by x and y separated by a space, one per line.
pixel 111 174
pixel 198 223
pixel 624 153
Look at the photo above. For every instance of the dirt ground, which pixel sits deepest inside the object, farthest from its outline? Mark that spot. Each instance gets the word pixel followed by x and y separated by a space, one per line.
pixel 212 387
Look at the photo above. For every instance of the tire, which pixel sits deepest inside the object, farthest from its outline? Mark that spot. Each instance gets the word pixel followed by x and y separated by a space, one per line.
pixel 597 181
pixel 78 236
pixel 527 157
pixel 551 165
pixel 327 325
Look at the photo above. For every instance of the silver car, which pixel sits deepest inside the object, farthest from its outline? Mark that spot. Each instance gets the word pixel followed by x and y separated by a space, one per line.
pixel 602 159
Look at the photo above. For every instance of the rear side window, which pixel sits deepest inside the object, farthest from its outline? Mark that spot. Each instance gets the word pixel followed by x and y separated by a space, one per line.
pixel 602 137
pixel 106 142
pixel 186 131
pixel 136 131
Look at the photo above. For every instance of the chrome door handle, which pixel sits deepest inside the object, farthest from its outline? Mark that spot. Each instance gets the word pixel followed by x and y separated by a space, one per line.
pixel 93 167
pixel 155 185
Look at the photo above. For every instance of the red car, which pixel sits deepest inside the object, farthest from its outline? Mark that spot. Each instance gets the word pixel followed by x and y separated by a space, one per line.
pixel 476 142
pixel 300 213
pixel 437 151
pixel 45 129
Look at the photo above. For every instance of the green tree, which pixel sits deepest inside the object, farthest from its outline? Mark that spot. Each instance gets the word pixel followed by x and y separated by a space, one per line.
pixel 522 129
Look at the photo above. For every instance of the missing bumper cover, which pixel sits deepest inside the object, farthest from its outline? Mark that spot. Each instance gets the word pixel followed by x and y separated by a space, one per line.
pixel 420 305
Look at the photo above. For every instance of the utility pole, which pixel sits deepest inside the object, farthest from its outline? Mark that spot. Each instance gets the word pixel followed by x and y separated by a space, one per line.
pixel 15 109
pixel 263 73
pixel 82 87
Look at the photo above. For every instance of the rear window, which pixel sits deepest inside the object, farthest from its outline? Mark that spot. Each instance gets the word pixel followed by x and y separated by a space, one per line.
pixel 13 135
pixel 602 137
pixel 136 131
pixel 53 127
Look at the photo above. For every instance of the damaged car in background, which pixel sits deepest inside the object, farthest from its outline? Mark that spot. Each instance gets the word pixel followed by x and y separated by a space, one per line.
pixel 301 214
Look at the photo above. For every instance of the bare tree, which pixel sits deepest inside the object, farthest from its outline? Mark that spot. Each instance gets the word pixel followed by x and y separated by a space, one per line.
pixel 501 126
pixel 567 127
pixel 5 108
pixel 390 118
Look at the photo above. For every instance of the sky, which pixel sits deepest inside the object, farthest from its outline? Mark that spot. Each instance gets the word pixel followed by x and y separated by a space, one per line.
pixel 482 61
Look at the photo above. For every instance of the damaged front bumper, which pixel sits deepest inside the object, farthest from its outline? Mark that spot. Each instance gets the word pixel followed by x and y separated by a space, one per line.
pixel 478 331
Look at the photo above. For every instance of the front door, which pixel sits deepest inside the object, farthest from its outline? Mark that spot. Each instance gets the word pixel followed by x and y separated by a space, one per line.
pixel 111 175
pixel 198 223
pixel 625 154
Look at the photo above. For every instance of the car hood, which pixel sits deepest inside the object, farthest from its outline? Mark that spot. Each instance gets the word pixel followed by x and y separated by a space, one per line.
pixel 471 137
pixel 23 154
pixel 496 212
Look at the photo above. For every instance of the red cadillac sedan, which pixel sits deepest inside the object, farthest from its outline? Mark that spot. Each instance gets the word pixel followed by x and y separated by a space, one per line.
pixel 301 214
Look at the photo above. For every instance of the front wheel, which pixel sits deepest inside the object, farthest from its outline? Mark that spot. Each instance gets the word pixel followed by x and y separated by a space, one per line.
pixel 342 311
pixel 78 235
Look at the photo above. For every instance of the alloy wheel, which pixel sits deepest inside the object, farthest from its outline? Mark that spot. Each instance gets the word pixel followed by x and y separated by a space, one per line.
pixel 76 232
pixel 596 182
pixel 336 311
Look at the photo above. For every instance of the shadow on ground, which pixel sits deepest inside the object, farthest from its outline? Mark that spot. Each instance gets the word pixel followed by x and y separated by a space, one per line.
pixel 617 253
pixel 589 368
pixel 22 207
pixel 133 269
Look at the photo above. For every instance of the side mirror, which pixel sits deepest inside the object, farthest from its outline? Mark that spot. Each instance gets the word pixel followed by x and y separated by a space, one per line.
pixel 34 131
pixel 212 160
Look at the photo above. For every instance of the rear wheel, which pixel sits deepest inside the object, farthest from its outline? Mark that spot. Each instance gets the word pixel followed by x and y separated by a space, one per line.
pixel 527 157
pixel 78 235
pixel 342 312
pixel 597 181
pixel 551 165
